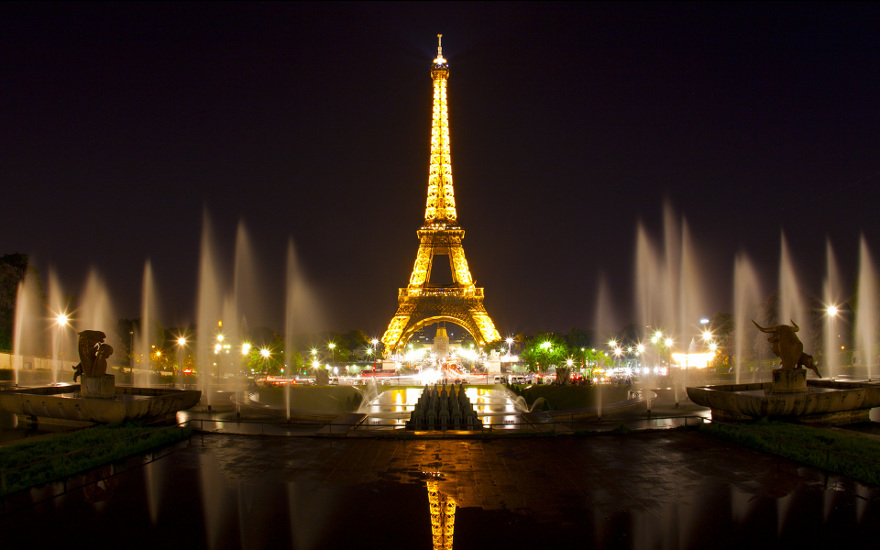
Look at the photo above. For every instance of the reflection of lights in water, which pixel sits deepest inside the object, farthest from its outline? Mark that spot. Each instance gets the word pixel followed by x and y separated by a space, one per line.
pixel 442 508
pixel 428 376
pixel 393 406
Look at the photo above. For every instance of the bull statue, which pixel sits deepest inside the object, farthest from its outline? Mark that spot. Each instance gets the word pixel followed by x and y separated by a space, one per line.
pixel 807 361
pixel 788 347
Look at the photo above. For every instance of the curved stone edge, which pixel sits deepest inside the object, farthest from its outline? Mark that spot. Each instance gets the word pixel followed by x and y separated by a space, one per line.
pixel 44 402
pixel 849 396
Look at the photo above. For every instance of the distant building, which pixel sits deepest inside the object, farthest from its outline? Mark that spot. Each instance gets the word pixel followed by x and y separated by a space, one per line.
pixel 441 342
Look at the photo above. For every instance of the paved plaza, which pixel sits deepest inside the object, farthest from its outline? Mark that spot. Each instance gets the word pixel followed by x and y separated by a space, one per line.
pixel 652 489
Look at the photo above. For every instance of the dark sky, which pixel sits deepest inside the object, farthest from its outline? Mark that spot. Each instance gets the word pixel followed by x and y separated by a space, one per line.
pixel 122 124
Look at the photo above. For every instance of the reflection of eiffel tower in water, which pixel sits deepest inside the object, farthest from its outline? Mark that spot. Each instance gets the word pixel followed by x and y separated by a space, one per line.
pixel 422 303
pixel 442 507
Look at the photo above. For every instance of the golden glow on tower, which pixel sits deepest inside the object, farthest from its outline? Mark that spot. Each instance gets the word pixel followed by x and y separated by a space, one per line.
pixel 422 303
pixel 442 507
pixel 441 199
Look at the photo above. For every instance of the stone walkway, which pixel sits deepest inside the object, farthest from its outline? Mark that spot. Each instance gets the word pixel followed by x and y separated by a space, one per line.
pixel 660 489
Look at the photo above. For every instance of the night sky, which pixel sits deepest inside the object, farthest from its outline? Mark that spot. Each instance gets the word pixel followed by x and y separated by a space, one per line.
pixel 123 124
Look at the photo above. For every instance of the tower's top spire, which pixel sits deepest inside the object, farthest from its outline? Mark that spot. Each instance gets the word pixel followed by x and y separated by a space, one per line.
pixel 439 60
pixel 441 198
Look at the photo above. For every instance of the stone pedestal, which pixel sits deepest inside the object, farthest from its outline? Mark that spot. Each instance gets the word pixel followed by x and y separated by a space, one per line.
pixel 788 381
pixel 98 386
pixel 493 367
pixel 322 377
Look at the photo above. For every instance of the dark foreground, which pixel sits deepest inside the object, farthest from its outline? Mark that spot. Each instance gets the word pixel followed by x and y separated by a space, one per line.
pixel 671 489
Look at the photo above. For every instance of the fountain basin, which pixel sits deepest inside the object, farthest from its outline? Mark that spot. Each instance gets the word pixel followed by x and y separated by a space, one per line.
pixel 65 403
pixel 824 401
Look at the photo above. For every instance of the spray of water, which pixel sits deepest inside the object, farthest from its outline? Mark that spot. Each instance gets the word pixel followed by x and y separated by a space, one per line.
pixel 831 291
pixel 866 314
pixel 791 306
pixel 146 336
pixel 207 312
pixel 746 297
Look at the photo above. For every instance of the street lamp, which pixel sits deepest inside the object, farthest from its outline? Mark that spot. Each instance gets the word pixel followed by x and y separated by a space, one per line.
pixel 61 321
pixel 332 347
pixel 265 353
pixel 181 343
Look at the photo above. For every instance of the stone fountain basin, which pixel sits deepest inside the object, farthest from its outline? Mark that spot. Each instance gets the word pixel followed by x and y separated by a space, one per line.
pixel 64 402
pixel 823 397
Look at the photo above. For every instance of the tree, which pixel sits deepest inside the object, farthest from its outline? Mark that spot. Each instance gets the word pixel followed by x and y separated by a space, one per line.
pixel 578 338
pixel 267 359
pixel 544 350
pixel 295 363
pixel 13 268
pixel 125 329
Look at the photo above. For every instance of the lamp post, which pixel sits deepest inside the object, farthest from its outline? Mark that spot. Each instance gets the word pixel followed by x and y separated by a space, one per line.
pixel 61 321
pixel 332 347
pixel 265 353
pixel 181 342
pixel 657 340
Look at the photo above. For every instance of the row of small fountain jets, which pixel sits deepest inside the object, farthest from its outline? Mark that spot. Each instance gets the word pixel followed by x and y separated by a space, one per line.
pixel 444 408
pixel 667 289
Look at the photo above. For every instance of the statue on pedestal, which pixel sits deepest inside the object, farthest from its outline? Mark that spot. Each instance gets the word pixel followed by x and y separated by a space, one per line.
pixel 93 354
pixel 788 347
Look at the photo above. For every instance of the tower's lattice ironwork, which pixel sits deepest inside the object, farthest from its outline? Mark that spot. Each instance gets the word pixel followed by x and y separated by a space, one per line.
pixel 422 303
pixel 442 508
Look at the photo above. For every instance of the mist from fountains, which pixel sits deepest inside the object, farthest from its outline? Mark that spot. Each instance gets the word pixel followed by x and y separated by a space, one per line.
pixel 146 335
pixel 746 296
pixel 667 286
pixel 866 312
pixel 831 292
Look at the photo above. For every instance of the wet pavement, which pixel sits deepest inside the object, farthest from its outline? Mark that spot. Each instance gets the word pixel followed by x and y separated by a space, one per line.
pixel 642 489
pixel 659 489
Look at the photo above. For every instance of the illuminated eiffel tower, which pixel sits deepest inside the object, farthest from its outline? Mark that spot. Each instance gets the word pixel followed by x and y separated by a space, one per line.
pixel 442 509
pixel 422 303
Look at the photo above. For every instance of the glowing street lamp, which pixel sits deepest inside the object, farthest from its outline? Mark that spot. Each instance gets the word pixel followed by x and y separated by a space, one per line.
pixel 265 353
pixel 61 321
pixel 181 344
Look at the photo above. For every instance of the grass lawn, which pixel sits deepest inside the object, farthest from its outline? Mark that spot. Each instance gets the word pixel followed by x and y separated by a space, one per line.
pixel 849 454
pixel 33 463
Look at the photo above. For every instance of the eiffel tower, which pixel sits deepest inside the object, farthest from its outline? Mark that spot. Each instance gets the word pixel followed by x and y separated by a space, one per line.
pixel 423 303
